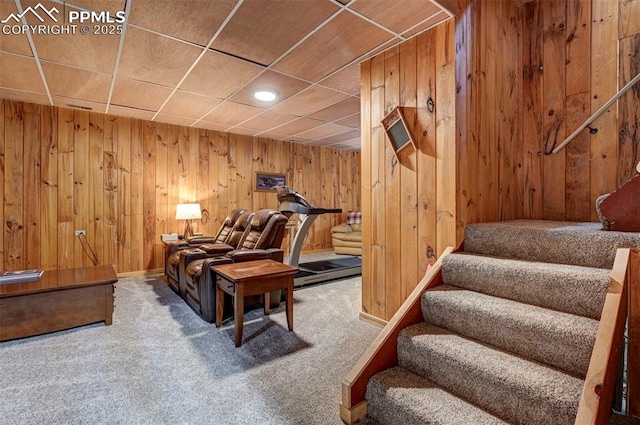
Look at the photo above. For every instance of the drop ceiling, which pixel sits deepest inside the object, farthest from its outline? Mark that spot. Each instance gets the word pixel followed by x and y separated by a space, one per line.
pixel 197 62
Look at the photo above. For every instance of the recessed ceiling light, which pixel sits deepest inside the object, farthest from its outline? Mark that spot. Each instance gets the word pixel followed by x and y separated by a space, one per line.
pixel 265 95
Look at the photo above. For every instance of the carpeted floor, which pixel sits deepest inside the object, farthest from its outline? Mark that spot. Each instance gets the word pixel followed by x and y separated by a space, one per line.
pixel 161 364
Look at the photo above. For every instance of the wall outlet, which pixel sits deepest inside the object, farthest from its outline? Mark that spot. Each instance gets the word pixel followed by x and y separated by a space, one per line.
pixel 81 232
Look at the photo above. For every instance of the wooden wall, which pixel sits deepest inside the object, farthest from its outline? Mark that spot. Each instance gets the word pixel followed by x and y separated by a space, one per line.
pixel 408 204
pixel 121 178
pixel 523 78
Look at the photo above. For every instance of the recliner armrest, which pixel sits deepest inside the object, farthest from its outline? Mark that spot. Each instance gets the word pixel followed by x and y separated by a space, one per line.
pixel 198 240
pixel 341 228
pixel 189 255
pixel 216 248
pixel 242 255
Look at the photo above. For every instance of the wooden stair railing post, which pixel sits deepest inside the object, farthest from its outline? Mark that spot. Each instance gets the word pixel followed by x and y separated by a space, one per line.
pixel 599 384
pixel 633 342
pixel 382 353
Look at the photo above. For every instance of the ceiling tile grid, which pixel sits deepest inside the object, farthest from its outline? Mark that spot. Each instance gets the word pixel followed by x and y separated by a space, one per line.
pixel 198 62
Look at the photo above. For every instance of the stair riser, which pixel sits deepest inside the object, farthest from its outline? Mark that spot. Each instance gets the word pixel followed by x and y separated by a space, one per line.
pixel 571 289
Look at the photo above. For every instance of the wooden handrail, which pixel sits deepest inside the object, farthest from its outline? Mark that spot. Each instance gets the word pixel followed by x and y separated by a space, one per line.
pixel 633 333
pixel 599 384
pixel 382 353
pixel 597 113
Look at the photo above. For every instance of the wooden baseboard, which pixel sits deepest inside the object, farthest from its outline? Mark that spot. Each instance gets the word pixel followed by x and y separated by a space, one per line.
pixel 366 317
pixel 141 273
pixel 354 414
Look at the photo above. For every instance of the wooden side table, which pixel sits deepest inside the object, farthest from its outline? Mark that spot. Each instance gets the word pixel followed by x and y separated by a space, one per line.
pixel 252 278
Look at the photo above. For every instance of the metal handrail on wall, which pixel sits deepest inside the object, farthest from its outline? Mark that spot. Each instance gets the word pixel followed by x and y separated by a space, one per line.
pixel 596 114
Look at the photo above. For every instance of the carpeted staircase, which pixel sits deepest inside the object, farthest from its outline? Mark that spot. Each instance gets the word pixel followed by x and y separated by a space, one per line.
pixel 508 337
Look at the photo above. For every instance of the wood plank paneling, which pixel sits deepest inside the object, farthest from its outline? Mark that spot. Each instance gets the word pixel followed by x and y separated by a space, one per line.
pixel 81 189
pixel 409 252
pixel 532 78
pixel 522 78
pixel 629 109
pixel 119 179
pixel 553 122
pixel 366 185
pixel 604 84
pixel 48 188
pixel 392 167
pixel 32 179
pixel 13 186
pixel 409 212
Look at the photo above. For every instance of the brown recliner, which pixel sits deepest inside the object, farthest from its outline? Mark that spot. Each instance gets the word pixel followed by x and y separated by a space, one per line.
pixel 172 256
pixel 262 240
pixel 191 260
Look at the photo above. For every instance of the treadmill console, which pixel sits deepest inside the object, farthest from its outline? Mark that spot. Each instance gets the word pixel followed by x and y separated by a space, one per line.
pixel 292 202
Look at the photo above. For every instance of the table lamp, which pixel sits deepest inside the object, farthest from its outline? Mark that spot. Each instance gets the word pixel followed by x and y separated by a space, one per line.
pixel 188 212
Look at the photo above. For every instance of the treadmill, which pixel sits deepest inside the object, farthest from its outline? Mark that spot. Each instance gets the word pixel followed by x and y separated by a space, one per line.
pixel 291 202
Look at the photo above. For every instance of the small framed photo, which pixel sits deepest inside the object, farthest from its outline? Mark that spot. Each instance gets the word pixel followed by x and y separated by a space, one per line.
pixel 267 182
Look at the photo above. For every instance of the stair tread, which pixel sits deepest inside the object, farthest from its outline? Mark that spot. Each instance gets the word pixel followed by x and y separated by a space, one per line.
pixel 520 390
pixel 559 339
pixel 566 242
pixel 409 398
pixel 573 289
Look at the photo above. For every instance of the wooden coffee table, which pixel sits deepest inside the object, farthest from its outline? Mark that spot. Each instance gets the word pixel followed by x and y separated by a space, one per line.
pixel 61 299
pixel 252 278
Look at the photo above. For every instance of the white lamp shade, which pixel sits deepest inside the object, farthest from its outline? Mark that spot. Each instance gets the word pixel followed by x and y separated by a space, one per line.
pixel 188 212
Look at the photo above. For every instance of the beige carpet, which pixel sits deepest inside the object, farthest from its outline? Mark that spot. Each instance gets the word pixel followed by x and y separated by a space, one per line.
pixel 159 363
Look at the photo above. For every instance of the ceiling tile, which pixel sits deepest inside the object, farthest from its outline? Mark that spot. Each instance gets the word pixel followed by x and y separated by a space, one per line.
pixel 14 43
pixel 24 96
pixel 127 93
pixel 268 120
pixel 399 18
pixel 323 132
pixel 172 119
pixel 195 21
pixel 262 33
pixel 331 47
pixel 351 121
pixel 343 137
pixel 21 73
pixel 344 108
pixel 273 135
pixel 434 20
pixel 309 100
pixel 209 125
pixel 232 113
pixel 219 75
pixel 346 80
pixel 319 143
pixel 285 85
pixel 244 131
pixel 93 52
pixel 111 6
pixel 190 105
pixel 76 83
pixel 124 111
pixel 297 126
pixel 154 58
pixel 67 102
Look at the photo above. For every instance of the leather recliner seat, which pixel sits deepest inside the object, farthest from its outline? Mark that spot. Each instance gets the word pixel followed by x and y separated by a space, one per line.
pixel 261 240
pixel 172 257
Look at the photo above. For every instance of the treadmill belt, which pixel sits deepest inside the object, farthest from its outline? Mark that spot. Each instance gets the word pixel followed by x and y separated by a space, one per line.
pixel 326 265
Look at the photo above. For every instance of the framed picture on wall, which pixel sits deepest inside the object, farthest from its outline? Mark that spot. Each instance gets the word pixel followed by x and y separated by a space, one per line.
pixel 267 182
